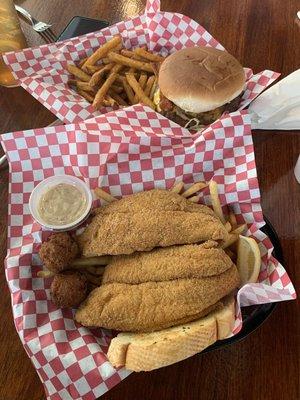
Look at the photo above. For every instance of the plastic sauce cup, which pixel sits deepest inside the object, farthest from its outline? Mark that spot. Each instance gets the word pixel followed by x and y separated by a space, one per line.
pixel 48 183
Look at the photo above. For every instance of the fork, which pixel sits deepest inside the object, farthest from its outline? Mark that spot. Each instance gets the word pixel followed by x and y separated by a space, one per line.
pixel 41 27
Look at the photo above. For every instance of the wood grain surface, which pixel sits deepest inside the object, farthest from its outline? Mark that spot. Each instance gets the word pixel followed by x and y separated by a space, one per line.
pixel 262 34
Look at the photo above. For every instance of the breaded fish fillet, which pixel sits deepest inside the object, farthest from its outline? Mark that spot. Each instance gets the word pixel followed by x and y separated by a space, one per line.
pixel 152 306
pixel 175 262
pixel 156 218
pixel 160 288
pixel 155 199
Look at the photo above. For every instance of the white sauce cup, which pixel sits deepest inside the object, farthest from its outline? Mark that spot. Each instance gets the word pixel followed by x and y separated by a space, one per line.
pixel 55 180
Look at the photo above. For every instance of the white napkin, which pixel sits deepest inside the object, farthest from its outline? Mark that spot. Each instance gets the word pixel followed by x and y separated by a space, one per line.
pixel 279 106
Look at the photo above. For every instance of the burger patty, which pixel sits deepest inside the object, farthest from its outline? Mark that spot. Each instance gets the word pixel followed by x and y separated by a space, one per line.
pixel 181 117
pixel 234 104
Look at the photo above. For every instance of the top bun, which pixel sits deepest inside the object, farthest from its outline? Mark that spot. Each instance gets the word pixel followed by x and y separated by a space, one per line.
pixel 200 79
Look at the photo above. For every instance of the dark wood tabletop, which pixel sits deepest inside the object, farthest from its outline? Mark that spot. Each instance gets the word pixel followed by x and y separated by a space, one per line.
pixel 262 34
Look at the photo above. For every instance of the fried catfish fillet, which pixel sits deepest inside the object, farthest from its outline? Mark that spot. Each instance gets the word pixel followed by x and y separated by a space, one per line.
pixel 159 289
pixel 164 264
pixel 140 222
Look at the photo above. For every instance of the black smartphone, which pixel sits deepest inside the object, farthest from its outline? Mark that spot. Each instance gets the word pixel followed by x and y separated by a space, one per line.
pixel 80 26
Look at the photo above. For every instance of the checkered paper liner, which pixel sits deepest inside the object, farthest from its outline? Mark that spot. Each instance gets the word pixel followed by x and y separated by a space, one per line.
pixel 125 151
pixel 42 70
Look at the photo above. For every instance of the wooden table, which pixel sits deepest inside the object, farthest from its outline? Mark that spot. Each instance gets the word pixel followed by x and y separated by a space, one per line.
pixel 261 34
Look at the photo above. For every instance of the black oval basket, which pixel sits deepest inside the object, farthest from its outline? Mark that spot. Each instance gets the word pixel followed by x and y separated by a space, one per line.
pixel 254 316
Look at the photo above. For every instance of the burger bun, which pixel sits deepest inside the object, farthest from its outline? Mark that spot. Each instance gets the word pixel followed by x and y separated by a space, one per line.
pixel 200 79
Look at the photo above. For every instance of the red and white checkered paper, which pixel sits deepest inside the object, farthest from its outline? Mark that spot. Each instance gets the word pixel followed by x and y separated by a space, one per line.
pixel 125 151
pixel 42 70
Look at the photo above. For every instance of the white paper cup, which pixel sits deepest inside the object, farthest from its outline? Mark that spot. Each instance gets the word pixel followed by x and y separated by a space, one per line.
pixel 45 185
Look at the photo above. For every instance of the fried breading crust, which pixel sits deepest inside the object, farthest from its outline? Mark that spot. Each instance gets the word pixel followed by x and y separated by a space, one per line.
pixel 156 218
pixel 154 305
pixel 68 289
pixel 153 200
pixel 176 262
pixel 58 252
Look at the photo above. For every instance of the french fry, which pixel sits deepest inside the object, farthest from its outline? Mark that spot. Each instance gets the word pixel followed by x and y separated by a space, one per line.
pixel 83 76
pixel 45 274
pixel 127 53
pixel 72 82
pixel 120 78
pixel 97 76
pixel 117 98
pixel 147 55
pixel 194 199
pixel 86 95
pixel 131 54
pixel 81 62
pixel 228 226
pixel 232 238
pixel 119 59
pixel 117 48
pixel 128 90
pixel 143 80
pixel 240 229
pixel 84 86
pixel 156 68
pixel 116 68
pixel 97 82
pixel 101 194
pixel 177 187
pixel 232 220
pixel 149 85
pixel 103 50
pixel 106 60
pixel 213 188
pixel 93 68
pixel 109 101
pixel 194 189
pixel 139 91
pixel 105 87
pixel 91 261
pixel 142 83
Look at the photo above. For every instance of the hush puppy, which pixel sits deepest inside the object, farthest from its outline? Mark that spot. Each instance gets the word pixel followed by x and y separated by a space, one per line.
pixel 58 252
pixel 68 289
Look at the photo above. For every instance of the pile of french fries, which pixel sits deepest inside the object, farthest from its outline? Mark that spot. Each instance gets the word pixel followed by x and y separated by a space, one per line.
pixel 92 268
pixel 114 76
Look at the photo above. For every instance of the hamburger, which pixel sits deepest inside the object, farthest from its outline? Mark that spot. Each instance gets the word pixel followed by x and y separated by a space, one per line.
pixel 197 85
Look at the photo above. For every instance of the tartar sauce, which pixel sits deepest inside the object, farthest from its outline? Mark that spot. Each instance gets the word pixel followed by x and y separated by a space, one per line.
pixel 62 204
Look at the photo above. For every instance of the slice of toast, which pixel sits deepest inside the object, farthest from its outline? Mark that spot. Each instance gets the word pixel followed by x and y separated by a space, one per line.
pixel 148 351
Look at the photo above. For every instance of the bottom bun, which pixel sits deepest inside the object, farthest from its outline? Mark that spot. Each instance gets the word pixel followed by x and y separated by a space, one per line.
pixel 148 351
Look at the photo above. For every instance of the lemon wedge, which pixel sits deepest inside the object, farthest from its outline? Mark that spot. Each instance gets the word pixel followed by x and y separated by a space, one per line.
pixel 248 260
